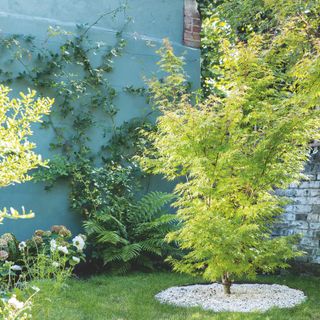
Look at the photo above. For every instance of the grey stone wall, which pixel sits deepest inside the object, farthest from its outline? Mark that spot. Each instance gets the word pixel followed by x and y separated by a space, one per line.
pixel 302 215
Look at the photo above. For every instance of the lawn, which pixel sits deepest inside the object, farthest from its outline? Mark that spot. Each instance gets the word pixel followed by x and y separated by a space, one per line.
pixel 131 297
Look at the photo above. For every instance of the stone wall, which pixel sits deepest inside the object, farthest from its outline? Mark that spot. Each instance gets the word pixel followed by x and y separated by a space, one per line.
pixel 302 215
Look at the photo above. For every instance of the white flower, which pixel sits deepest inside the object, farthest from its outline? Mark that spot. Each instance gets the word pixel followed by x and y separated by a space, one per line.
pixel 63 249
pixel 53 245
pixel 15 302
pixel 76 259
pixel 78 242
pixel 55 264
pixel 15 267
pixel 22 245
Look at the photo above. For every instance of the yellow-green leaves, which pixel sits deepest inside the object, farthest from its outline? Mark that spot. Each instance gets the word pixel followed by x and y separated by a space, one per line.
pixel 232 150
pixel 16 151
pixel 15 214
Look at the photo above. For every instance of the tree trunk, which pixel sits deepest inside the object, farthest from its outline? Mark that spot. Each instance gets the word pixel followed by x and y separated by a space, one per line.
pixel 226 282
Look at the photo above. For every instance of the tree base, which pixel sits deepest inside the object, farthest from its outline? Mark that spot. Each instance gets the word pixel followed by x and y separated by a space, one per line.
pixel 226 282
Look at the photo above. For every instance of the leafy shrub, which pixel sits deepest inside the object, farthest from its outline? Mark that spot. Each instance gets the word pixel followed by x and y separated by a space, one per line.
pixel 17 158
pixel 234 150
pixel 50 254
pixel 47 255
pixel 124 232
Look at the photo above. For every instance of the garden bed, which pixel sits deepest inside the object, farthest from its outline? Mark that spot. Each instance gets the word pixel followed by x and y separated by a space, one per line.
pixel 244 297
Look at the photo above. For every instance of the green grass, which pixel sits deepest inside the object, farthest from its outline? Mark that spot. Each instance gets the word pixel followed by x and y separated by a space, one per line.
pixel 131 297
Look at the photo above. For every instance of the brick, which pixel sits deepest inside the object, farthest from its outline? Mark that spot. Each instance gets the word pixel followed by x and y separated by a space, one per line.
pixel 293 186
pixel 301 217
pixel 315 225
pixel 288 216
pixel 196 29
pixel 192 24
pixel 302 192
pixel 316 209
pixel 287 192
pixel 309 184
pixel 313 217
pixel 300 224
pixel 308 242
pixel 299 208
pixel 316 260
pixel 307 200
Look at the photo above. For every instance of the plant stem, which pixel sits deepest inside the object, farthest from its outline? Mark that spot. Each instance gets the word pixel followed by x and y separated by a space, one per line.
pixel 226 282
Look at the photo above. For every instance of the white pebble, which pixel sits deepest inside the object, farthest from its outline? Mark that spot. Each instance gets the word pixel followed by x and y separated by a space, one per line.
pixel 243 298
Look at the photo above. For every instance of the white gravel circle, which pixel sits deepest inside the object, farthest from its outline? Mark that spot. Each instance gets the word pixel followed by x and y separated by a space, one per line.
pixel 244 297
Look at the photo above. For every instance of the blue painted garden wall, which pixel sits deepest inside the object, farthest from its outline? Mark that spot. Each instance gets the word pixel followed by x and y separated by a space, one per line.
pixel 152 20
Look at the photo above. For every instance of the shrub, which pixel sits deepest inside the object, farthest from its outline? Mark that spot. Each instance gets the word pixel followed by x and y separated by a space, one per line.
pixel 47 255
pixel 230 151
pixel 124 232
pixel 16 151
pixel 51 254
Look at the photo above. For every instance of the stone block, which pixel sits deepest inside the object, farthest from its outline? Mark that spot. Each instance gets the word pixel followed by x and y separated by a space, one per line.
pixel 314 192
pixel 308 242
pixel 316 260
pixel 313 200
pixel 300 200
pixel 301 217
pixel 289 216
pixel 302 192
pixel 313 217
pixel 296 208
pixel 315 225
pixel 316 209
pixel 304 259
pixel 309 185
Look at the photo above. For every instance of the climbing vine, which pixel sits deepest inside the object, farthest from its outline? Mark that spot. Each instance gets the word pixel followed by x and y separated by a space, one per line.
pixel 77 75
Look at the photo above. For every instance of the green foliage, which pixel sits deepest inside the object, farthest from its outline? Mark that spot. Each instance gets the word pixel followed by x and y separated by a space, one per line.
pixel 16 151
pixel 234 149
pixel 17 157
pixel 125 232
pixel 104 182
pixel 47 255
pixel 17 305
pixel 238 21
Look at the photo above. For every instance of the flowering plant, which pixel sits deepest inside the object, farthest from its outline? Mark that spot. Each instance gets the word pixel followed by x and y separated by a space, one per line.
pixel 52 254
pixel 17 308
pixel 48 254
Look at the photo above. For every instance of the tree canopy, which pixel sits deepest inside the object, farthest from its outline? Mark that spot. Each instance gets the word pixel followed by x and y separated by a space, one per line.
pixel 249 136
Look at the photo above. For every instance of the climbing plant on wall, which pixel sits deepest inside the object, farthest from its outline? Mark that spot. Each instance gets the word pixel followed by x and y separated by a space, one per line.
pixel 76 74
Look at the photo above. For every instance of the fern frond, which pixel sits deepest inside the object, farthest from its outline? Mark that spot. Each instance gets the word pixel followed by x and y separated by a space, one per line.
pixel 110 237
pixel 150 205
pixel 125 253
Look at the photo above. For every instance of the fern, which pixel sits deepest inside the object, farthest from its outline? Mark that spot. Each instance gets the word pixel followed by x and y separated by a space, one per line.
pixel 133 236
pixel 151 204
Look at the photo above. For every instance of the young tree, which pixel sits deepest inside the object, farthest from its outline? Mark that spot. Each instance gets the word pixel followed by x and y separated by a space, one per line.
pixel 230 151
pixel 17 157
